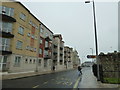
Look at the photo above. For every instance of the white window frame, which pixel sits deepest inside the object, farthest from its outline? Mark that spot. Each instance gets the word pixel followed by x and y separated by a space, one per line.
pixel 40 51
pixel 19 44
pixel 22 16
pixel 17 64
pixel 28 35
pixel 21 30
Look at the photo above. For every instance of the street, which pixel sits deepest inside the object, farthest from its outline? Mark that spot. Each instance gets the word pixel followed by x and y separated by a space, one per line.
pixel 66 79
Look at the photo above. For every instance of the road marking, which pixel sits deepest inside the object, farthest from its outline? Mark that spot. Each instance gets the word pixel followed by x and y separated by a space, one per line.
pixel 70 83
pixel 36 86
pixel 45 82
pixel 53 79
pixel 58 82
pixel 77 82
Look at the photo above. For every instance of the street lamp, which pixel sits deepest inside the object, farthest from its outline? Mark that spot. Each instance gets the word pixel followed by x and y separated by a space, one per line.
pixel 96 45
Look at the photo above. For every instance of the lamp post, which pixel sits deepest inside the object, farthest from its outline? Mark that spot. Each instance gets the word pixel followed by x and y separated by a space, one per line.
pixel 96 45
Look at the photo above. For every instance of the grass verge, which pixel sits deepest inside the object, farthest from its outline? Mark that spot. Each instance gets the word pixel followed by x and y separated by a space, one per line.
pixel 112 80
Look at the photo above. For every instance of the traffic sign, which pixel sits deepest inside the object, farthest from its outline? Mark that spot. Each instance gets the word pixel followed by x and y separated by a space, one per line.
pixel 91 56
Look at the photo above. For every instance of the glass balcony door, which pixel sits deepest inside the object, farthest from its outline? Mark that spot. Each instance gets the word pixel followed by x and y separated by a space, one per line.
pixel 3 62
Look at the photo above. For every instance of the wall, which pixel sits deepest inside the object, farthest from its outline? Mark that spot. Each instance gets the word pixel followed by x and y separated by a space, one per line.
pixel 110 65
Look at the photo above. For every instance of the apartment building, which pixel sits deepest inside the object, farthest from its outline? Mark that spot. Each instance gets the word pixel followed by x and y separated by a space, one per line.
pixel 76 59
pixel 26 44
pixel 58 52
pixel 68 53
pixel 45 48
pixel 19 38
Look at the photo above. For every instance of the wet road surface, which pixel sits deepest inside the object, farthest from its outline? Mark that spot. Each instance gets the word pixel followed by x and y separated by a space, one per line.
pixel 65 79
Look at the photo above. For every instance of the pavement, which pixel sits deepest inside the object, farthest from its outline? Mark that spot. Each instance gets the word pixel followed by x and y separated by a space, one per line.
pixel 88 80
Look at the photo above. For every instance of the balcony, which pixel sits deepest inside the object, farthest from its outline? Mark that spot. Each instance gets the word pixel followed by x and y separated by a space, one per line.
pixel 69 57
pixel 69 52
pixel 7 18
pixel 61 54
pixel 48 48
pixel 48 39
pixel 55 46
pixel 54 60
pixel 55 53
pixel 61 48
pixel 4 50
pixel 47 57
pixel 6 34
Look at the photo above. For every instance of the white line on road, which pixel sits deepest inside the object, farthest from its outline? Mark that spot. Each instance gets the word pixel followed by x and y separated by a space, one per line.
pixel 45 82
pixel 36 86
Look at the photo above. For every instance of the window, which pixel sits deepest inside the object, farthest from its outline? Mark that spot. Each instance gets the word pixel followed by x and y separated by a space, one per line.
pixel 41 41
pixel 45 63
pixel 5 44
pixel 36 27
pixel 21 30
pixel 46 52
pixel 46 34
pixel 28 34
pixel 30 60
pixel 5 59
pixel 40 51
pixel 19 45
pixel 39 62
pixel 27 48
pixel 33 25
pixel 8 11
pixel 34 61
pixel 17 60
pixel 41 30
pixel 6 27
pixel 26 60
pixel 33 36
pixel 30 22
pixel 61 62
pixel 46 44
pixel 22 16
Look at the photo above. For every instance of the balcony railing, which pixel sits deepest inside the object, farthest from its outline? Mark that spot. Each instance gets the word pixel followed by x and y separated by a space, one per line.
pixel 55 53
pixel 55 46
pixel 5 50
pixel 69 57
pixel 61 54
pixel 7 18
pixel 48 39
pixel 48 48
pixel 47 57
pixel 61 48
pixel 6 32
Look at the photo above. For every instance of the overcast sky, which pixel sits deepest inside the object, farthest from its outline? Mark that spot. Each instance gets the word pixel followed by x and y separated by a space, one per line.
pixel 74 20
